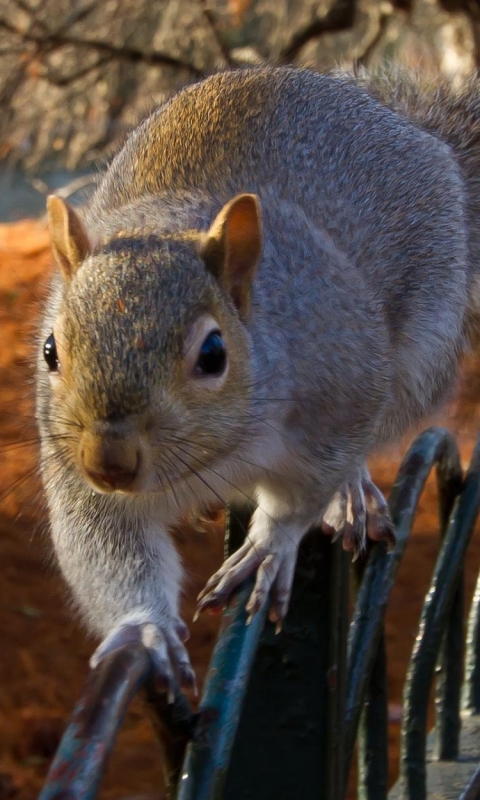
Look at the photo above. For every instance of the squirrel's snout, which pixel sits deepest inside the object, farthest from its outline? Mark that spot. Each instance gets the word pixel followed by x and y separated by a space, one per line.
pixel 110 464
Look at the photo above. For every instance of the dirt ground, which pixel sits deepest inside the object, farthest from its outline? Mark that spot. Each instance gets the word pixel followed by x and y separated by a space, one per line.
pixel 44 651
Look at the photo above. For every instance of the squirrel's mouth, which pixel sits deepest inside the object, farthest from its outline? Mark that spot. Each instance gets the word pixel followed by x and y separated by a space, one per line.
pixel 111 462
pixel 115 481
pixel 110 481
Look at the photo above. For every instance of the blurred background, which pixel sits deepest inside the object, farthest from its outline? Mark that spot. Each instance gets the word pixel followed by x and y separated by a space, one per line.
pixel 74 78
pixel 75 75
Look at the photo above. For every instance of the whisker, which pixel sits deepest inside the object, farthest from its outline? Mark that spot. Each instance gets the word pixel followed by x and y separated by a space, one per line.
pixel 21 443
pixel 204 465
pixel 191 469
pixel 241 460
pixel 198 499
pixel 17 483
pixel 170 484
pixel 68 422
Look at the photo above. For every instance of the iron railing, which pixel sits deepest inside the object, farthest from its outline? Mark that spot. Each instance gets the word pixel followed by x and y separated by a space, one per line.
pixel 281 714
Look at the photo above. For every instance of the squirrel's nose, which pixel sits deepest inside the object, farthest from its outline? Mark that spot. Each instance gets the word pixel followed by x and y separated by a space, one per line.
pixel 110 463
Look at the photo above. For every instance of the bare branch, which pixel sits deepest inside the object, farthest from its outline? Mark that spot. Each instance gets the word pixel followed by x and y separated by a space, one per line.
pixel 364 58
pixel 213 25
pixel 339 18
pixel 65 80
pixel 49 42
pixel 11 85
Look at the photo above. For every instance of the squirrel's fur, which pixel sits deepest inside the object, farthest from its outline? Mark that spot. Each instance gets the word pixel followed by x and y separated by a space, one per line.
pixel 453 115
pixel 329 239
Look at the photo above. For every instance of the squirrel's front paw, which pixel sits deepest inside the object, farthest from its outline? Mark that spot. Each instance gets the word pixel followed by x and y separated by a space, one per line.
pixel 165 647
pixel 359 510
pixel 274 566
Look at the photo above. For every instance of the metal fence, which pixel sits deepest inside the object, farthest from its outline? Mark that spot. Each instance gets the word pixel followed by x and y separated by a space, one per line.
pixel 282 715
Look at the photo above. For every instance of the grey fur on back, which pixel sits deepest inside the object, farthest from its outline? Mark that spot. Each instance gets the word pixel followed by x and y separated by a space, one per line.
pixel 451 114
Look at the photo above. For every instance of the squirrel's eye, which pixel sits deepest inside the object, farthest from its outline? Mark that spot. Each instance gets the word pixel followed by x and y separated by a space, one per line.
pixel 212 358
pixel 50 353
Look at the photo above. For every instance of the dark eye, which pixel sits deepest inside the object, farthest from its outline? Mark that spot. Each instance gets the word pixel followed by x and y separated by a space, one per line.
pixel 50 353
pixel 212 358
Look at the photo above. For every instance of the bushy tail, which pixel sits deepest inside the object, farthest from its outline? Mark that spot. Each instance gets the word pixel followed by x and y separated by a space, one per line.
pixel 453 115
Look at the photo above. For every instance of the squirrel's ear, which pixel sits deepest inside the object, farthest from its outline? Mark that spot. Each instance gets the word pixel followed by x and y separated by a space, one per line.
pixel 232 247
pixel 68 237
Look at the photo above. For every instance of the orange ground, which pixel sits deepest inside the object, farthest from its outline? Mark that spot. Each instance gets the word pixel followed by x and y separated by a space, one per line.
pixel 44 650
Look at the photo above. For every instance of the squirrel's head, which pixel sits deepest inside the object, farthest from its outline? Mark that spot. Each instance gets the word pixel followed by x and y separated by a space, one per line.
pixel 149 359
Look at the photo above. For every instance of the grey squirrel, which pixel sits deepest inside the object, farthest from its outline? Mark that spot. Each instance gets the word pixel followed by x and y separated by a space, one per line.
pixel 272 280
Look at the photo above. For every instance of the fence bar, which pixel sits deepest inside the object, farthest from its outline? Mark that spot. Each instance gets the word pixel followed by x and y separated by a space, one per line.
pixel 433 446
pixel 472 789
pixel 427 647
pixel 337 669
pixel 471 690
pixel 174 724
pixel 450 662
pixel 372 739
pixel 448 689
pixel 80 762
pixel 373 732
pixel 208 754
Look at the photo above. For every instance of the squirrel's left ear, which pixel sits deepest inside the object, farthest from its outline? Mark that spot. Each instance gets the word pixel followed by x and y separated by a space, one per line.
pixel 68 237
pixel 232 247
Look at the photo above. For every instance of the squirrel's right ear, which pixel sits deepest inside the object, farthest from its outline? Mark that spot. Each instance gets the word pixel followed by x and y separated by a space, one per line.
pixel 68 237
pixel 232 247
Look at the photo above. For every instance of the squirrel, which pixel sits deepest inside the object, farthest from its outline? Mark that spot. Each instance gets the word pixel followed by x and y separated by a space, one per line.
pixel 270 282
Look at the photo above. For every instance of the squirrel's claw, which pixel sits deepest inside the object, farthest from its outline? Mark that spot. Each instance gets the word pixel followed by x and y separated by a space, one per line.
pixel 233 571
pixel 357 512
pixel 165 647
pixel 379 523
pixel 274 577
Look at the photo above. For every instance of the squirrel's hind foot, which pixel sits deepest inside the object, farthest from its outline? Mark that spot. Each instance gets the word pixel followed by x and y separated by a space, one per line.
pixel 357 512
pixel 170 660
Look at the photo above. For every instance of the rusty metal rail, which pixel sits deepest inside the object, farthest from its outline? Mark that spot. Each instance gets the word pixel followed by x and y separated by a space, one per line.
pixel 280 715
pixel 88 741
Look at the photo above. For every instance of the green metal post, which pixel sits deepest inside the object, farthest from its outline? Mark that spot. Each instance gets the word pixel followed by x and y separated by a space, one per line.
pixel 471 689
pixel 450 662
pixel 373 733
pixel 337 671
pixel 281 748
